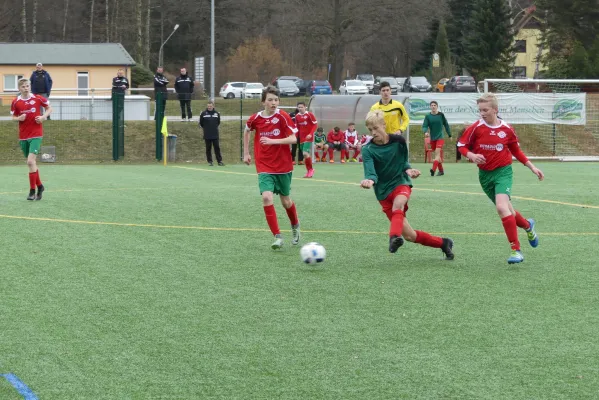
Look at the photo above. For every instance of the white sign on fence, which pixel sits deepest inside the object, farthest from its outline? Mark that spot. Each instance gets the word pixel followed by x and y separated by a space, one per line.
pixel 199 70
pixel 514 108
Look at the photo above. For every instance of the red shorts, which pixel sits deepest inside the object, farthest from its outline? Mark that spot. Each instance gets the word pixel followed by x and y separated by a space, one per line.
pixel 437 144
pixel 403 190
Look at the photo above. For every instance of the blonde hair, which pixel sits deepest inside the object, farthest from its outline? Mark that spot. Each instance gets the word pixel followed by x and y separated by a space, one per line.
pixel 22 81
pixel 488 98
pixel 375 117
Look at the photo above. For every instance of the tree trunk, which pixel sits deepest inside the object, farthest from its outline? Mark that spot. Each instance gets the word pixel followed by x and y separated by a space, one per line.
pixel 64 22
pixel 24 20
pixel 147 38
pixel 34 21
pixel 91 22
pixel 139 42
pixel 107 22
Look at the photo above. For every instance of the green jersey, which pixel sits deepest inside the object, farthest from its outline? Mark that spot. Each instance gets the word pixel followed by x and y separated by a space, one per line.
pixel 320 137
pixel 386 165
pixel 435 123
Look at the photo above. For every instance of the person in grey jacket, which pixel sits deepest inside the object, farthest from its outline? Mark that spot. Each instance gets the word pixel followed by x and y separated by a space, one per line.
pixel 209 121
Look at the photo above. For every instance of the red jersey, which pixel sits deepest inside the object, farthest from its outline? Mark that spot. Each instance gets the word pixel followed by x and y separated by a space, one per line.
pixel 333 136
pixel 29 129
pixel 496 143
pixel 351 138
pixel 307 125
pixel 272 158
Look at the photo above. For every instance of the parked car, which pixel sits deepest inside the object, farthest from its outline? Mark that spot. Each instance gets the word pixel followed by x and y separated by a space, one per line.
pixel 253 90
pixel 230 90
pixel 320 87
pixel 287 88
pixel 286 78
pixel 440 87
pixel 368 80
pixel 395 88
pixel 400 82
pixel 461 84
pixel 417 84
pixel 303 85
pixel 353 87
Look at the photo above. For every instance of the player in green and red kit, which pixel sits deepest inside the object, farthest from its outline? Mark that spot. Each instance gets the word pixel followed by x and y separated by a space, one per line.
pixel 490 143
pixel 26 110
pixel 306 124
pixel 387 169
pixel 274 132
pixel 433 126
pixel 320 142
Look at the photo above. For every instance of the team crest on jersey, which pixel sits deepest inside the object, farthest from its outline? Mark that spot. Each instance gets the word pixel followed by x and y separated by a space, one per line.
pixel 501 134
pixel 275 120
pixel 499 147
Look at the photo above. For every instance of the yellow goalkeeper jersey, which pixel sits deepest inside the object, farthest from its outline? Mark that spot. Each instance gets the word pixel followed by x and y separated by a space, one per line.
pixel 396 116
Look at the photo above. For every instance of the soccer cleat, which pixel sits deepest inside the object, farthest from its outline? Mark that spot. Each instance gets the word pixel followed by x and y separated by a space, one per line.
pixel 210 164
pixel 293 162
pixel 31 194
pixel 295 231
pixel 342 161
pixel 440 173
pixel 353 160
pixel 332 161
pixel 516 257
pixel 432 172
pixel 323 159
pixel 311 173
pixel 189 120
pixel 533 239
pixel 221 164
pixel 183 120
pixel 40 190
pixel 395 242
pixel 300 163
pixel 278 243
pixel 447 248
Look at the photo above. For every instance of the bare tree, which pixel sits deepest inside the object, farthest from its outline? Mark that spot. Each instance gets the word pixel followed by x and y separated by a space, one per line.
pixel 147 42
pixel 24 20
pixel 107 17
pixel 34 21
pixel 64 21
pixel 139 42
pixel 91 22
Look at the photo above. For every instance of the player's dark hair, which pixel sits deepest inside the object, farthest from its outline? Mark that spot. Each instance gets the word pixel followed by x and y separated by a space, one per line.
pixel 385 84
pixel 351 123
pixel 301 103
pixel 336 129
pixel 433 102
pixel 270 90
pixel 320 129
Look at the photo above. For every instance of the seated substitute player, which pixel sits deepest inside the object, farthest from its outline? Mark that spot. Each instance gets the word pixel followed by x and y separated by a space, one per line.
pixel 433 125
pixel 26 110
pixel 490 143
pixel 387 169
pixel 352 142
pixel 306 125
pixel 336 141
pixel 320 141
pixel 274 132
pixel 396 117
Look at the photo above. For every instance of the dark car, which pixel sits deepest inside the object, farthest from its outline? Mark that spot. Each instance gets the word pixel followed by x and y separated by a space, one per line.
pixel 303 85
pixel 319 87
pixel 460 84
pixel 395 87
pixel 417 84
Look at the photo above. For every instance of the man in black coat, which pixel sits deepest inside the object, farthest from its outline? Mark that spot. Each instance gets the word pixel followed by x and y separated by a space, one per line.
pixel 184 88
pixel 120 83
pixel 160 83
pixel 209 121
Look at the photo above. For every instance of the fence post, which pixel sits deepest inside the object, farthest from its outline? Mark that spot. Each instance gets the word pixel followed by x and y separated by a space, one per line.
pixel 158 117
pixel 118 125
pixel 241 128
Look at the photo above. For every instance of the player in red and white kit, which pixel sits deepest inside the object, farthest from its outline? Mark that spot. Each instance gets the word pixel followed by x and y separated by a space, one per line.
pixel 306 124
pixel 26 110
pixel 352 142
pixel 490 143
pixel 364 140
pixel 274 132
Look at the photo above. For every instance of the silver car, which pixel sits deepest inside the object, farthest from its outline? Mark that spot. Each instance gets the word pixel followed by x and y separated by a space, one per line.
pixel 287 88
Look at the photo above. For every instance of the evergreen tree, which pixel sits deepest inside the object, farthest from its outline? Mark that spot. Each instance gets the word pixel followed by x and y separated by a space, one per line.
pixel 489 40
pixel 447 67
pixel 428 47
pixel 458 26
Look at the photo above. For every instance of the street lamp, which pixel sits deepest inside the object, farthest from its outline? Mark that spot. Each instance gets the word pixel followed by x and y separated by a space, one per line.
pixel 160 60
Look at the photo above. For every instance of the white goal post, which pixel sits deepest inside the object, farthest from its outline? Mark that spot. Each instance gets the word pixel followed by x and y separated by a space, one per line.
pixel 559 119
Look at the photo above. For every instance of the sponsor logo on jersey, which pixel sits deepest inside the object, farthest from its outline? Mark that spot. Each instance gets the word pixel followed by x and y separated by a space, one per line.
pixel 274 132
pixel 33 110
pixel 499 147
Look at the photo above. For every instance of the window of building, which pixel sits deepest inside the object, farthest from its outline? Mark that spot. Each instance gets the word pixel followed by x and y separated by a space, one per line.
pixel 11 83
pixel 520 46
pixel 519 72
pixel 82 83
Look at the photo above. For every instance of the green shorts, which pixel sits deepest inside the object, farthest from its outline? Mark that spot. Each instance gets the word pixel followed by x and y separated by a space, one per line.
pixel 277 183
pixel 306 147
pixel 498 181
pixel 31 146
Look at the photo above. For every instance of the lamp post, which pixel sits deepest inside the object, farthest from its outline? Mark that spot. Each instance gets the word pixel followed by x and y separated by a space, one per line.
pixel 212 94
pixel 160 60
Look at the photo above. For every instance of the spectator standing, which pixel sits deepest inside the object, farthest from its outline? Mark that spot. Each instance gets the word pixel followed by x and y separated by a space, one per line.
pixel 120 83
pixel 209 121
pixel 160 84
pixel 295 147
pixel 41 83
pixel 184 88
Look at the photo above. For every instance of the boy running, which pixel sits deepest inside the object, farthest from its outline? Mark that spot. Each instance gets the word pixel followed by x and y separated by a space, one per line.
pixel 490 143
pixel 387 169
pixel 274 132
pixel 306 124
pixel 434 123
pixel 320 141
pixel 26 109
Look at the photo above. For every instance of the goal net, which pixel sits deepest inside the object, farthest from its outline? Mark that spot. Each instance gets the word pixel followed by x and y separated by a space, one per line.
pixel 554 118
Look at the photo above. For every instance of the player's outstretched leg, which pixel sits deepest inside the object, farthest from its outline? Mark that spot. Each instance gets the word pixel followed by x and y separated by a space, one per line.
pixel 397 218
pixel 426 239
pixel 529 226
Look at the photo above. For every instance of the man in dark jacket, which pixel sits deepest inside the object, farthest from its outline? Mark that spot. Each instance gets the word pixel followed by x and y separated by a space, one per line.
pixel 184 89
pixel 120 83
pixel 41 82
pixel 160 83
pixel 209 121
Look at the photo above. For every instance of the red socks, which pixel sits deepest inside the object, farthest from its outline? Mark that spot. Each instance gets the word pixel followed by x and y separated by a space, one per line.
pixel 435 164
pixel 271 219
pixel 511 231
pixel 521 221
pixel 32 180
pixel 308 163
pixel 356 154
pixel 292 214
pixel 426 239
pixel 440 167
pixel 331 155
pixel 397 217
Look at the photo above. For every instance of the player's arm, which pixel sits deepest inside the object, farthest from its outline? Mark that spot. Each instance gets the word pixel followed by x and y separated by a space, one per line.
pixel 425 126
pixel 13 112
pixel 114 84
pixel 246 145
pixel 464 145
pixel 201 123
pixel 370 176
pixel 47 113
pixel 517 152
pixel 404 119
pixel 446 125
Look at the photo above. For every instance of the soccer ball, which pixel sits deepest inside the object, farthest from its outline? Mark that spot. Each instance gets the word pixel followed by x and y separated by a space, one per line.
pixel 313 253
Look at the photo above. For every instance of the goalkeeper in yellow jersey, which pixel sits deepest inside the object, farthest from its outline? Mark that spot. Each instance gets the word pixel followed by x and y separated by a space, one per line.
pixel 396 117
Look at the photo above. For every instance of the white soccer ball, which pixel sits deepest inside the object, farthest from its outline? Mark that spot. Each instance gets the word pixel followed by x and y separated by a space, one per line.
pixel 313 253
pixel 45 156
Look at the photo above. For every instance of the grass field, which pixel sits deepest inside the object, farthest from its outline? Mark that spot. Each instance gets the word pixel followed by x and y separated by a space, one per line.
pixel 145 282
